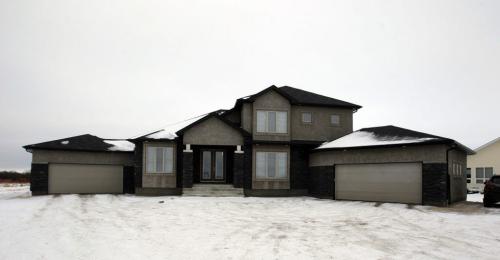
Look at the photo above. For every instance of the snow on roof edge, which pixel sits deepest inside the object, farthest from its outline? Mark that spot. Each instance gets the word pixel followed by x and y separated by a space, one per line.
pixel 120 145
pixel 364 138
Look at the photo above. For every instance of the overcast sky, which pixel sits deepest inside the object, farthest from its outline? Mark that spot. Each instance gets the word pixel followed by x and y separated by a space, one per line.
pixel 120 68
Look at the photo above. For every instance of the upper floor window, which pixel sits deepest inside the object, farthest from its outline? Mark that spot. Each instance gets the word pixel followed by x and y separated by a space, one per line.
pixel 271 165
pixel 159 159
pixel 306 117
pixel 335 120
pixel 272 122
pixel 483 174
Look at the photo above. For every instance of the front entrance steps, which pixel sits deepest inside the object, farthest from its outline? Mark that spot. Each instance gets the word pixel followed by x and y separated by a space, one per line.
pixel 213 190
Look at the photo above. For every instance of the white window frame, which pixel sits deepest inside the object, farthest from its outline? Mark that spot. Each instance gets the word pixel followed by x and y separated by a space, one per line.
pixel 484 178
pixel 168 153
pixel 263 120
pixel 277 165
pixel 302 118
pixel 331 121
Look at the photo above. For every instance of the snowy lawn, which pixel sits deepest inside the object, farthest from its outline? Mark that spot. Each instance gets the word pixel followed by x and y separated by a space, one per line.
pixel 130 227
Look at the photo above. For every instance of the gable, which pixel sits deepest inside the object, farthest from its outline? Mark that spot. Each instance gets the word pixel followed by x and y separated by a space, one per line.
pixel 271 99
pixel 212 131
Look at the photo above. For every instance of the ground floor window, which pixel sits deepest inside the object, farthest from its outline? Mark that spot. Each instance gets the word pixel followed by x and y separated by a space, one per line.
pixel 271 165
pixel 159 159
pixel 468 175
pixel 483 174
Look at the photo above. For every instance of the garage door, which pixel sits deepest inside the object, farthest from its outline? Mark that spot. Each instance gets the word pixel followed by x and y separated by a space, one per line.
pixel 85 178
pixel 389 182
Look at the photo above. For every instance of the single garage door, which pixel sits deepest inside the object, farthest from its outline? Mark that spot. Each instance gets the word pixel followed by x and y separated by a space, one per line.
pixel 85 178
pixel 387 182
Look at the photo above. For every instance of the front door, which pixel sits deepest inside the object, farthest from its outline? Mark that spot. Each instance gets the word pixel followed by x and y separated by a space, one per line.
pixel 213 166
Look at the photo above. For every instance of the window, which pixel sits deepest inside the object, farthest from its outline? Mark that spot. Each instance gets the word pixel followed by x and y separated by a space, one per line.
pixel 468 175
pixel 483 174
pixel 335 120
pixel 457 170
pixel 271 165
pixel 272 122
pixel 159 159
pixel 307 118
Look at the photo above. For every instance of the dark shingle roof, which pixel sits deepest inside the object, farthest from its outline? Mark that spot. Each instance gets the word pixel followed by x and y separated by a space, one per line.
pixel 301 97
pixel 389 136
pixel 84 142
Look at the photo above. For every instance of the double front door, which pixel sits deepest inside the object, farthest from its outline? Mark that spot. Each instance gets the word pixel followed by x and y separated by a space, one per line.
pixel 213 166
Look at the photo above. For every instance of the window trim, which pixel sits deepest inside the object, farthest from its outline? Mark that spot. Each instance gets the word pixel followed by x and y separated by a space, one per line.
pixel 484 178
pixel 287 166
pixel 163 145
pixel 330 120
pixel 302 117
pixel 276 125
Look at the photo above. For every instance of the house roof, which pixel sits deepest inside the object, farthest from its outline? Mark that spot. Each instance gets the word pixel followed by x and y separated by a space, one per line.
pixel 387 136
pixel 216 114
pixel 300 97
pixel 85 142
pixel 171 131
pixel 487 144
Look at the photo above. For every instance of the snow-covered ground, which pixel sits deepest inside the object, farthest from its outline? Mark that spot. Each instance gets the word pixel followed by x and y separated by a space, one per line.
pixel 475 197
pixel 131 227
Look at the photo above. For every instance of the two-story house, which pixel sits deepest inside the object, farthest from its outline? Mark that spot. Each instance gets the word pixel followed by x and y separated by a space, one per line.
pixel 278 142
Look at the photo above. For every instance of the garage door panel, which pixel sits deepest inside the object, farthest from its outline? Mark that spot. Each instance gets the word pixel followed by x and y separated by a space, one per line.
pixel 390 182
pixel 79 178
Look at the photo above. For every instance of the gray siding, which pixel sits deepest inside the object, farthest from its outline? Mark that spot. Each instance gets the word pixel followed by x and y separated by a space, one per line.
pixel 423 153
pixel 212 132
pixel 320 129
pixel 50 156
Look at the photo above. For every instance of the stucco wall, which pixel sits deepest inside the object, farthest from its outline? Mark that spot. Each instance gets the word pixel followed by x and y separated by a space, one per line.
pixel 246 116
pixel 212 132
pixel 52 156
pixel 424 153
pixel 320 129
pixel 458 182
pixel 275 102
pixel 270 184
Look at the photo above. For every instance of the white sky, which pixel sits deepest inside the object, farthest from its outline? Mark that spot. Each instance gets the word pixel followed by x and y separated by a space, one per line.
pixel 120 68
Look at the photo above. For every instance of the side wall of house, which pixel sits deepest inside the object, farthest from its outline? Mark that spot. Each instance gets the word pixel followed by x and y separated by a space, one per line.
pixel 320 129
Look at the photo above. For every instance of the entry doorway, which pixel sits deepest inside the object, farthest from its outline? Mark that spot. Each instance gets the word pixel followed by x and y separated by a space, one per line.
pixel 213 166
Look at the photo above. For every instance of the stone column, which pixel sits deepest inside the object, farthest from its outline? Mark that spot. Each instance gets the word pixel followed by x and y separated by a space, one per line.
pixel 187 167
pixel 238 170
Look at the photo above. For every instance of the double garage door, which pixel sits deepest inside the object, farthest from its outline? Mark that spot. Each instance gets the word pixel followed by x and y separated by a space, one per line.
pixel 385 182
pixel 85 178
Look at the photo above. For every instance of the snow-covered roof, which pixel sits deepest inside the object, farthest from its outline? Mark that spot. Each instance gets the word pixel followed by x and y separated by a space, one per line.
pixel 120 145
pixel 86 142
pixel 169 131
pixel 363 138
pixel 388 136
